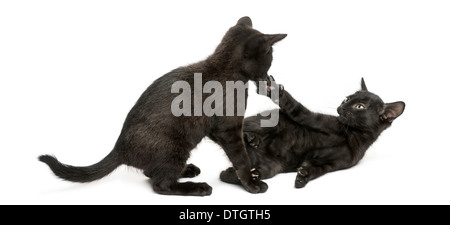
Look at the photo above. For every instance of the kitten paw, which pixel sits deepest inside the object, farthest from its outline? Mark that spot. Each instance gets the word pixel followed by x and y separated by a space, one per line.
pixel 203 189
pixel 253 183
pixel 302 177
pixel 256 175
pixel 190 171
pixel 255 187
pixel 302 171
pixel 252 139
pixel 187 188
pixel 229 176
pixel 272 86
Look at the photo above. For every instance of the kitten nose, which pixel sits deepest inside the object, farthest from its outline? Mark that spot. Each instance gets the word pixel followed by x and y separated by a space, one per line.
pixel 340 111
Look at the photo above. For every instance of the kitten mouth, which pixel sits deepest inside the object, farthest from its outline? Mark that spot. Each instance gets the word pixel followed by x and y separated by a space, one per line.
pixel 343 116
pixel 340 111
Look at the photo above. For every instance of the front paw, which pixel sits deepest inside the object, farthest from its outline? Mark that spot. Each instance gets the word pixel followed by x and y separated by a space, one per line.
pixel 190 171
pixel 302 177
pixel 270 86
pixel 254 184
pixel 255 174
pixel 252 139
pixel 256 187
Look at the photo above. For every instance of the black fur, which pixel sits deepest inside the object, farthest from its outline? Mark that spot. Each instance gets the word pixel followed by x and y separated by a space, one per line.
pixel 313 144
pixel 159 143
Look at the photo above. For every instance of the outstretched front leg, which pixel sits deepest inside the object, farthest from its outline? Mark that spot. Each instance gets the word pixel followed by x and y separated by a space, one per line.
pixel 271 89
pixel 296 111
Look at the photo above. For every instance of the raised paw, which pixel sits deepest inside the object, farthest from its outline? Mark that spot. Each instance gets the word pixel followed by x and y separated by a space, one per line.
pixel 252 139
pixel 271 86
pixel 302 177
pixel 190 171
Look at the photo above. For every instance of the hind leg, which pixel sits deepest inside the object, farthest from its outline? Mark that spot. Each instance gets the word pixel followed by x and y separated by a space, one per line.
pixel 170 187
pixel 189 171
pixel 164 175
pixel 232 142
pixel 166 182
pixel 259 173
pixel 265 167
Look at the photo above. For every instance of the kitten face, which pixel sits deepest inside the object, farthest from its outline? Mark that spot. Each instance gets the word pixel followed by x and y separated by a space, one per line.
pixel 248 49
pixel 361 110
pixel 257 57
pixel 366 111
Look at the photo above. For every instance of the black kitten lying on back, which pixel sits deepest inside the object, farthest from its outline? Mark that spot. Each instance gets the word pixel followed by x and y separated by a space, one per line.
pixel 158 142
pixel 313 144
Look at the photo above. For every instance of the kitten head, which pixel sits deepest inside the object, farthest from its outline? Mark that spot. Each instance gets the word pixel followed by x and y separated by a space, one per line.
pixel 366 111
pixel 247 50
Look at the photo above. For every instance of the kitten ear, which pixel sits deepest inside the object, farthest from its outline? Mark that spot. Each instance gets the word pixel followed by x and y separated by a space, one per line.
pixel 363 85
pixel 245 21
pixel 392 110
pixel 274 38
pixel 261 44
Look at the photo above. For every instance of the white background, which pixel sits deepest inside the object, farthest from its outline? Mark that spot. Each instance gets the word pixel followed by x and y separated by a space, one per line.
pixel 71 70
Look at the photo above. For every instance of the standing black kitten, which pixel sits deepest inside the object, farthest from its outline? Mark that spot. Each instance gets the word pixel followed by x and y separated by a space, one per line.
pixel 158 142
pixel 313 144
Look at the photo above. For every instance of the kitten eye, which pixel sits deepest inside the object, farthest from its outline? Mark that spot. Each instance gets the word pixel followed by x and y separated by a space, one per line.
pixel 360 106
pixel 346 100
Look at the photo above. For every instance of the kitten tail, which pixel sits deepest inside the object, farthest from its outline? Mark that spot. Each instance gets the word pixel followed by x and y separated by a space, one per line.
pixel 82 174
